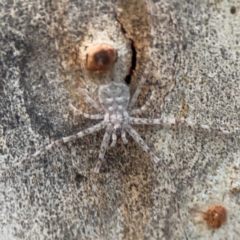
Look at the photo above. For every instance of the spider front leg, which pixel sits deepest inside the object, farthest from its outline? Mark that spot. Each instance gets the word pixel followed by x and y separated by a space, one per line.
pixel 141 142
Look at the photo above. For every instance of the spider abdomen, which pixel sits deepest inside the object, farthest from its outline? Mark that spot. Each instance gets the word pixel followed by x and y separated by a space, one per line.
pixel 114 97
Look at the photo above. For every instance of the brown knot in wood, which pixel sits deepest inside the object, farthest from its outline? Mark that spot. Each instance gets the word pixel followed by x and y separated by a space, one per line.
pixel 100 58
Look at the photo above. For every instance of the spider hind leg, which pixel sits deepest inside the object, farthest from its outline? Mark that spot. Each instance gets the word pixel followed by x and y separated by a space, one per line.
pixel 103 149
pixel 88 99
pixel 86 115
pixel 60 141
pixel 139 88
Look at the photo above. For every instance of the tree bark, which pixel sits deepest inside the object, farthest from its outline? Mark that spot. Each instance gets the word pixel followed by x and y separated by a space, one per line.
pixel 192 51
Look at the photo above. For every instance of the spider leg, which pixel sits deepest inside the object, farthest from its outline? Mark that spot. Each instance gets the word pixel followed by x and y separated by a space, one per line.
pixel 88 99
pixel 146 121
pixel 85 132
pixel 171 121
pixel 103 149
pixel 39 151
pixel 204 126
pixel 60 141
pixel 141 142
pixel 146 106
pixel 114 139
pixel 123 136
pixel 86 115
pixel 139 88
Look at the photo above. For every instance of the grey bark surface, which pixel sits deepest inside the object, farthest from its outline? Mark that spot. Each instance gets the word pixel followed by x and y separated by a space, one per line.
pixel 193 51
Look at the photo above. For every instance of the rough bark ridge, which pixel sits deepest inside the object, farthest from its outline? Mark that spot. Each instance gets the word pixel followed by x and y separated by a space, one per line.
pixel 193 50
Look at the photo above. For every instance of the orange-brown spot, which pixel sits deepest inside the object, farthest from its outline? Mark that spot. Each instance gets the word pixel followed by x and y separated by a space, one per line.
pixel 100 58
pixel 215 216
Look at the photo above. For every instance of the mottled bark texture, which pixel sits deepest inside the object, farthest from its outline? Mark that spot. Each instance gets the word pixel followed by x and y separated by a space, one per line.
pixel 193 51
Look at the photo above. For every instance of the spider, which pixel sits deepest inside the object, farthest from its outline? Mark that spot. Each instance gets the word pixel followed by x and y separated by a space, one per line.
pixel 117 115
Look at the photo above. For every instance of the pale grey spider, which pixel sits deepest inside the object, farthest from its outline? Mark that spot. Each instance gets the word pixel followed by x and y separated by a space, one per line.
pixel 116 114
